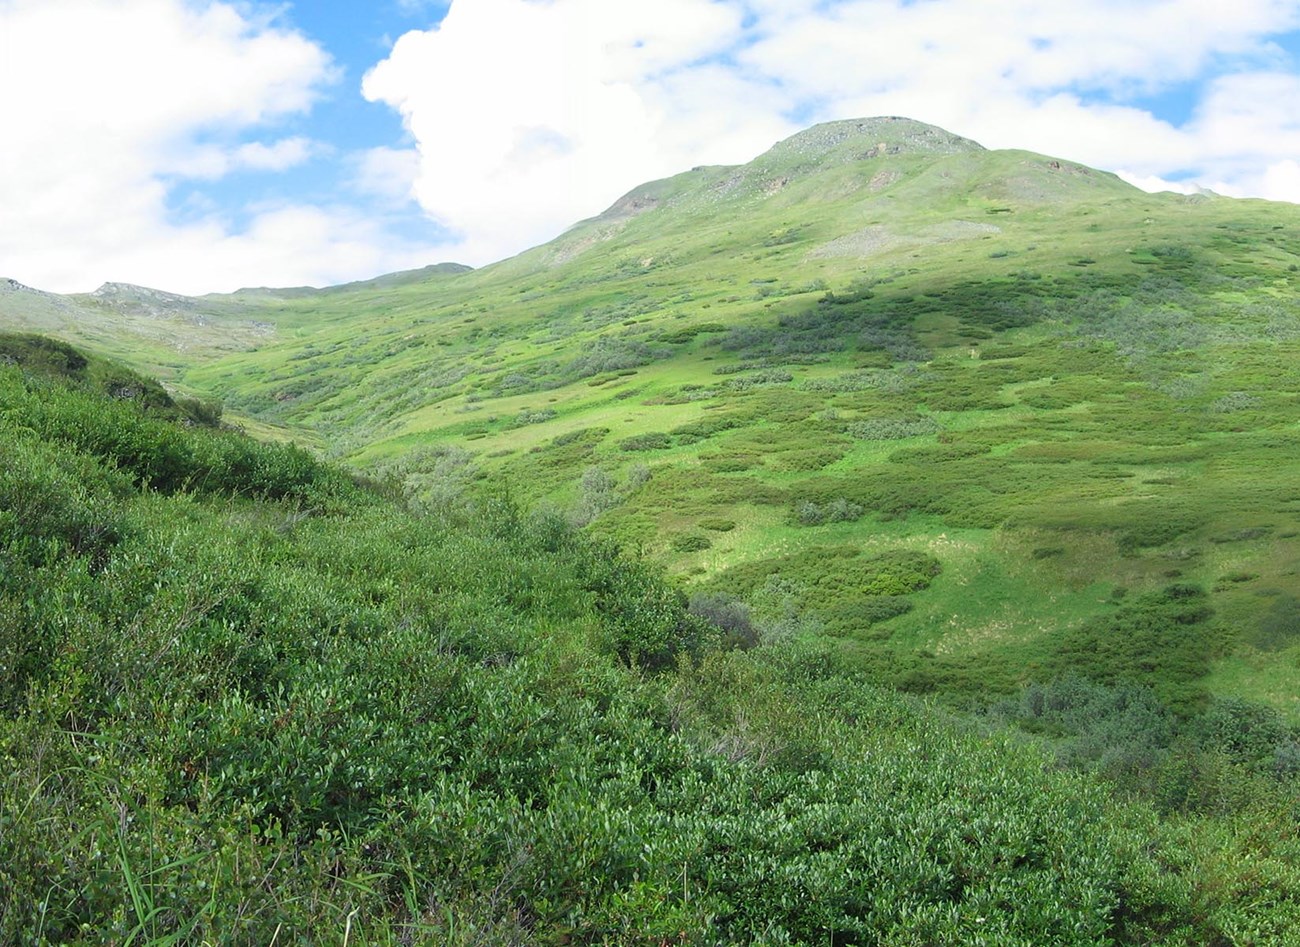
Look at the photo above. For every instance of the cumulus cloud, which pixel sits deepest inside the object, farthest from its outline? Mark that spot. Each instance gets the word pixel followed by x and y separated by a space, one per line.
pixel 106 106
pixel 1155 183
pixel 529 115
pixel 1282 182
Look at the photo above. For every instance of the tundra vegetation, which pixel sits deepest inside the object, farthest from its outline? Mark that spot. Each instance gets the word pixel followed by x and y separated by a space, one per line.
pixel 889 541
pixel 248 698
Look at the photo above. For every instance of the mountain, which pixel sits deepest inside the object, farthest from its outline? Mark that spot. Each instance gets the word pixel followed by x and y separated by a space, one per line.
pixel 599 636
pixel 973 415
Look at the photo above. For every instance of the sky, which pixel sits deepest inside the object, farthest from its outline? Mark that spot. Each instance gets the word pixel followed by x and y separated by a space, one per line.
pixel 205 145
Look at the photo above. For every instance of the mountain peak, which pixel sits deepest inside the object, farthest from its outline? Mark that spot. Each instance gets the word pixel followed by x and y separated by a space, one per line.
pixel 129 292
pixel 860 138
pixel 13 286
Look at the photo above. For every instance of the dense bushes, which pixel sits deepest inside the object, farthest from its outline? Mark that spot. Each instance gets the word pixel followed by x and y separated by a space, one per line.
pixel 166 457
pixel 1164 640
pixel 226 720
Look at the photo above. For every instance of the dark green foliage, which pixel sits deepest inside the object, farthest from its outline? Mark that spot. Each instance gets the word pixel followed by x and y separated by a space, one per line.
pixel 1279 625
pixel 840 585
pixel 55 361
pixel 729 614
pixel 1231 764
pixel 690 542
pixel 53 504
pixel 1248 733
pixel 731 462
pixel 1120 728
pixel 838 510
pixel 163 456
pixel 1164 640
pixel 892 429
pixel 200 411
pixel 717 524
pixel 834 324
pixel 688 333
pixel 704 428
pixel 568 451
pixel 608 354
pixel 41 355
pixel 852 617
pixel 656 440
pixel 802 461
pixel 531 416
pixel 759 379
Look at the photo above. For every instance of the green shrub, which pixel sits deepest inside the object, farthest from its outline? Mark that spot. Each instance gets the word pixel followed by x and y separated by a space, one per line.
pixel 690 542
pixel 890 429
pixel 656 440
pixel 717 524
pixel 1163 640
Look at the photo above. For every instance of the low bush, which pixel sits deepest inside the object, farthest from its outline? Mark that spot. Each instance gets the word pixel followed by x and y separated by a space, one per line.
pixel 892 429
pixel 690 542
pixel 655 440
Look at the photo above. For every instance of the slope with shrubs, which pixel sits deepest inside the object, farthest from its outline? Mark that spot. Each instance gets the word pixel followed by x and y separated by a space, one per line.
pixel 961 412
pixel 877 341
pixel 245 699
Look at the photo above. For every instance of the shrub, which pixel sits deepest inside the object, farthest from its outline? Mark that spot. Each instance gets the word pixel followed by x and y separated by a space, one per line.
pixel 596 494
pixel 889 429
pixel 638 475
pixel 690 542
pixel 655 440
pixel 838 510
pixel 1163 640
pixel 729 614
pixel 717 524
pixel 530 416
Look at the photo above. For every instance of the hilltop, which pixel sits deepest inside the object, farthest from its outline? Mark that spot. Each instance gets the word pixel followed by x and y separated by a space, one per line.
pixel 967 414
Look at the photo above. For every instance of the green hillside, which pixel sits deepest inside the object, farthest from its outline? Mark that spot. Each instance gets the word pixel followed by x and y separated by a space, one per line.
pixel 246 698
pixel 961 412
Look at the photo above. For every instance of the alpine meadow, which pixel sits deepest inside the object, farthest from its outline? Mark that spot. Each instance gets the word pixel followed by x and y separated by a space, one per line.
pixel 889 541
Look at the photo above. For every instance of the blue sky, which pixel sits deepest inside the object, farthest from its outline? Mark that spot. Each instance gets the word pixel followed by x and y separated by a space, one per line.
pixel 203 145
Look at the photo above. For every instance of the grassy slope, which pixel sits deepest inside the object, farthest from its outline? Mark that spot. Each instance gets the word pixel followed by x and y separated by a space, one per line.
pixel 1104 402
pixel 243 700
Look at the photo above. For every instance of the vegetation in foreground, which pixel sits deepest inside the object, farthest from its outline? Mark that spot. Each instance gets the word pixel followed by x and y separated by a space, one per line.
pixel 244 699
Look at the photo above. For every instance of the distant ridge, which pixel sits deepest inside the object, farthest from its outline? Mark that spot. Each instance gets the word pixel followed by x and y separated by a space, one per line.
pixel 400 278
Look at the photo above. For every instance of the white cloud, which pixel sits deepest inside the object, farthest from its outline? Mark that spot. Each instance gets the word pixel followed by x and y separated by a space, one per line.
pixel 529 115
pixel 106 105
pixel 1282 182
pixel 277 156
pixel 1154 183
pixel 388 174
pixel 209 162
